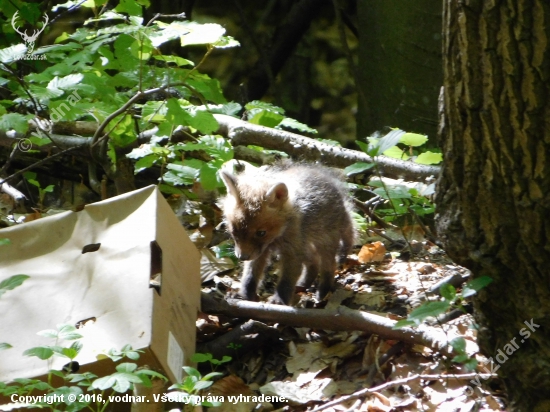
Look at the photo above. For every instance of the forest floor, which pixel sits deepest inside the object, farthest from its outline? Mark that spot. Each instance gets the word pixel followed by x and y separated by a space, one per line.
pixel 331 370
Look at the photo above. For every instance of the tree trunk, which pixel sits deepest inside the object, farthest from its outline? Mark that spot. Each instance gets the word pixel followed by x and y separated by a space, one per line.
pixel 399 65
pixel 494 189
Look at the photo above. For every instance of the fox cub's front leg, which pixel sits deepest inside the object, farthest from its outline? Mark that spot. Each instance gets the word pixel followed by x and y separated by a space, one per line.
pixel 252 274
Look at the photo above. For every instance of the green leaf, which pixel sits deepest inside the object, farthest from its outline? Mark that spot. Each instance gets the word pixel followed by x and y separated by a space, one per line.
pixel 42 352
pixel 129 6
pixel 64 393
pixel 120 382
pixel 68 332
pixel 202 120
pixel 39 140
pixel 225 359
pixel 230 109
pixel 106 382
pixel 44 94
pixel 475 286
pixel 448 291
pixel 380 145
pixel 12 282
pixel 470 364
pixel 167 32
pixel 15 121
pixel 404 323
pixel 142 49
pixel 192 371
pixel 225 42
pixel 200 385
pixel 70 353
pixel 209 88
pixel 4 346
pixel 393 192
pixel 67 82
pixel 224 250
pixel 463 357
pixel 330 142
pixel 201 357
pixel 145 162
pixel 429 309
pixel 357 168
pixel 179 61
pixel 458 344
pixel 258 104
pixel 4 242
pixel 215 146
pixel 149 372
pixel 73 3
pixel 126 367
pixel 197 33
pixel 363 146
pixel 34 182
pixel 208 175
pixel 295 124
pixel 175 114
pixel 12 53
pixel 396 153
pixel 429 158
pixel 413 139
pixel 79 377
pixel 266 118
pixel 39 385
pixel 211 375
pixel 185 174
pixel 48 333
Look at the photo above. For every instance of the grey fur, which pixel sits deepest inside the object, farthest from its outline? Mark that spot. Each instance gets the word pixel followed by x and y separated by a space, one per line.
pixel 300 211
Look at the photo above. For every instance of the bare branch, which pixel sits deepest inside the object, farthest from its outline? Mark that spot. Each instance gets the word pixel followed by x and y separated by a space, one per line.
pixel 244 133
pixel 341 318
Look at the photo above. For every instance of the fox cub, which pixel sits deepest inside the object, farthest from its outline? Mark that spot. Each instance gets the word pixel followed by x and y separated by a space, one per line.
pixel 299 211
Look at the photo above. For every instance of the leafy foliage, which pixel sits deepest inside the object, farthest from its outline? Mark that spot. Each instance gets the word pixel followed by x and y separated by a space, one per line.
pixel 401 198
pixel 126 375
pixel 450 299
pixel 194 382
pixel 94 72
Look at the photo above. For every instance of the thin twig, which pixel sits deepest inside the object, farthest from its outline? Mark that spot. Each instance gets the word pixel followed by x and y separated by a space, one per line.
pixel 398 382
pixel 47 159
pixel 426 229
pixel 351 63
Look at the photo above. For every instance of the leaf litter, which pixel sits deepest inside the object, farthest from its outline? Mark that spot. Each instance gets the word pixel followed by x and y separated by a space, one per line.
pixel 328 370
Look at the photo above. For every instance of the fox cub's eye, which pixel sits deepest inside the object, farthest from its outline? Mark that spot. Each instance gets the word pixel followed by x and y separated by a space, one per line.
pixel 260 233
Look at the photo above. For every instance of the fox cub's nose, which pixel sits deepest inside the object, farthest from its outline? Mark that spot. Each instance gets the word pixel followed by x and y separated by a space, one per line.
pixel 243 256
pixel 240 254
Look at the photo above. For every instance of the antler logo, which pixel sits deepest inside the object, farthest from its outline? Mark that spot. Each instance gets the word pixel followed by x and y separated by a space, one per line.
pixel 29 40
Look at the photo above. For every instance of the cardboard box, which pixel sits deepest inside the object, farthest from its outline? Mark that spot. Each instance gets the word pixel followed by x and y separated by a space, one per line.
pixel 137 238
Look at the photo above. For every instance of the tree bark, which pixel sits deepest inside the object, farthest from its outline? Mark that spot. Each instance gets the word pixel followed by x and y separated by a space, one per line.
pixel 493 195
pixel 286 38
pixel 400 65
pixel 342 318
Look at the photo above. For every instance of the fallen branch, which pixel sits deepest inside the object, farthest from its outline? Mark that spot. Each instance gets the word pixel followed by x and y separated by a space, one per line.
pixel 341 318
pixel 243 338
pixel 11 191
pixel 244 133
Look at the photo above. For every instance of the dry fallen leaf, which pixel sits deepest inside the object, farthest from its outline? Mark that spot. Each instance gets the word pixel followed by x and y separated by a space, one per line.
pixel 373 252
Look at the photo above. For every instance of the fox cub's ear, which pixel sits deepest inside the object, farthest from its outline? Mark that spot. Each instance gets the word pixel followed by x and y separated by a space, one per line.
pixel 277 195
pixel 230 182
